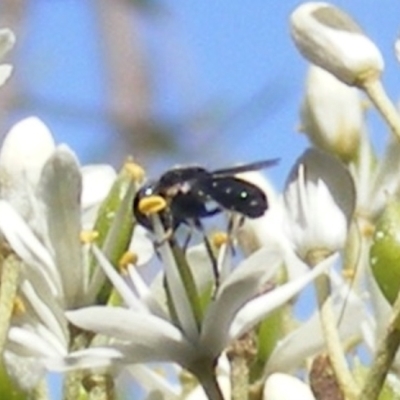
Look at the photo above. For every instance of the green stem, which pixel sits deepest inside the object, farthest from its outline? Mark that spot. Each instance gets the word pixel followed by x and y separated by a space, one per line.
pixel 332 339
pixel 211 388
pixel 384 357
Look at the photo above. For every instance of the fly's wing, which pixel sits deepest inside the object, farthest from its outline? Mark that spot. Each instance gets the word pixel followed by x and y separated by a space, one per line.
pixel 255 166
pixel 180 177
pixel 191 206
pixel 235 194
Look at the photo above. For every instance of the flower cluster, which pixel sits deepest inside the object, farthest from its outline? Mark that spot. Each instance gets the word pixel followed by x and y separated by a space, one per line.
pixel 218 319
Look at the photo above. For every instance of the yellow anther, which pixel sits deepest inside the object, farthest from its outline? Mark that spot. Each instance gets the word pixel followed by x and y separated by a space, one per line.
pixel 127 258
pixel 348 274
pixel 368 230
pixel 18 307
pixel 218 239
pixel 152 205
pixel 135 170
pixel 88 237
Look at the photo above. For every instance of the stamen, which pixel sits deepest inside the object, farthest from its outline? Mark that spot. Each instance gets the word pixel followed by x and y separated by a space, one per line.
pixel 18 307
pixel 218 239
pixel 88 237
pixel 349 274
pixel 135 170
pixel 152 205
pixel 127 258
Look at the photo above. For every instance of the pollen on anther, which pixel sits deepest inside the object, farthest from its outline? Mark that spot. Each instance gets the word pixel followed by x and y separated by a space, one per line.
pixel 218 239
pixel 151 205
pixel 349 274
pixel 88 237
pixel 18 306
pixel 127 258
pixel 135 170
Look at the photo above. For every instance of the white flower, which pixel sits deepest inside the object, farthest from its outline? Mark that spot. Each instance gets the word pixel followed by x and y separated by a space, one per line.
pixel 329 38
pixel 377 181
pixel 44 228
pixel 285 387
pixel 332 114
pixel 25 150
pixel 7 40
pixel 164 384
pixel 320 200
pixel 308 339
pixel 146 332
pixel 255 233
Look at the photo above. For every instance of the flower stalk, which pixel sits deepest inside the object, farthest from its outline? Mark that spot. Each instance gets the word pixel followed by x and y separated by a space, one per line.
pixel 384 356
pixel 377 94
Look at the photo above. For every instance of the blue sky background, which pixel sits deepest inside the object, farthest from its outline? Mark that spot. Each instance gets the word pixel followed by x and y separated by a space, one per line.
pixel 230 58
pixel 233 59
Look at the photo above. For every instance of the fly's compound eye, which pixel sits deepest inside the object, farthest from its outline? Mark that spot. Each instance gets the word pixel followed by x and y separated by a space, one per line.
pixel 143 193
pixel 147 202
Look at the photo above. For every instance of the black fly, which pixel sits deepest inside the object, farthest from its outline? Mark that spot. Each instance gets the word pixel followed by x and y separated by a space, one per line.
pixel 193 193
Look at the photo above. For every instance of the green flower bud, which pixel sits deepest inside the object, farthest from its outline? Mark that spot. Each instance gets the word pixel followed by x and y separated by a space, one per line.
pixel 385 251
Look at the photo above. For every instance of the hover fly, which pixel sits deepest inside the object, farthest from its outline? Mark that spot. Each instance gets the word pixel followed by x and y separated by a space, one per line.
pixel 193 193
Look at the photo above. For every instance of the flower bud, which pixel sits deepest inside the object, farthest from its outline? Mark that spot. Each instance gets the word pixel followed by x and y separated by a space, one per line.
pixel 384 254
pixel 285 387
pixel 26 148
pixel 319 197
pixel 332 114
pixel 329 38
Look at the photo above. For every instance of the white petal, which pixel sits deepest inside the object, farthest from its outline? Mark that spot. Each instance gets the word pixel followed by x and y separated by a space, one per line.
pixel 94 357
pixel 5 72
pixel 124 290
pixel 30 344
pixel 152 380
pixel 285 387
pixel 240 286
pixel 27 246
pixel 332 114
pixel 60 189
pixel 149 338
pixel 141 245
pixel 97 182
pixel 257 309
pixel 46 308
pixel 26 148
pixel 176 287
pixel 386 180
pixel 308 339
pixel 329 38
pixel 7 41
pixel 145 294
